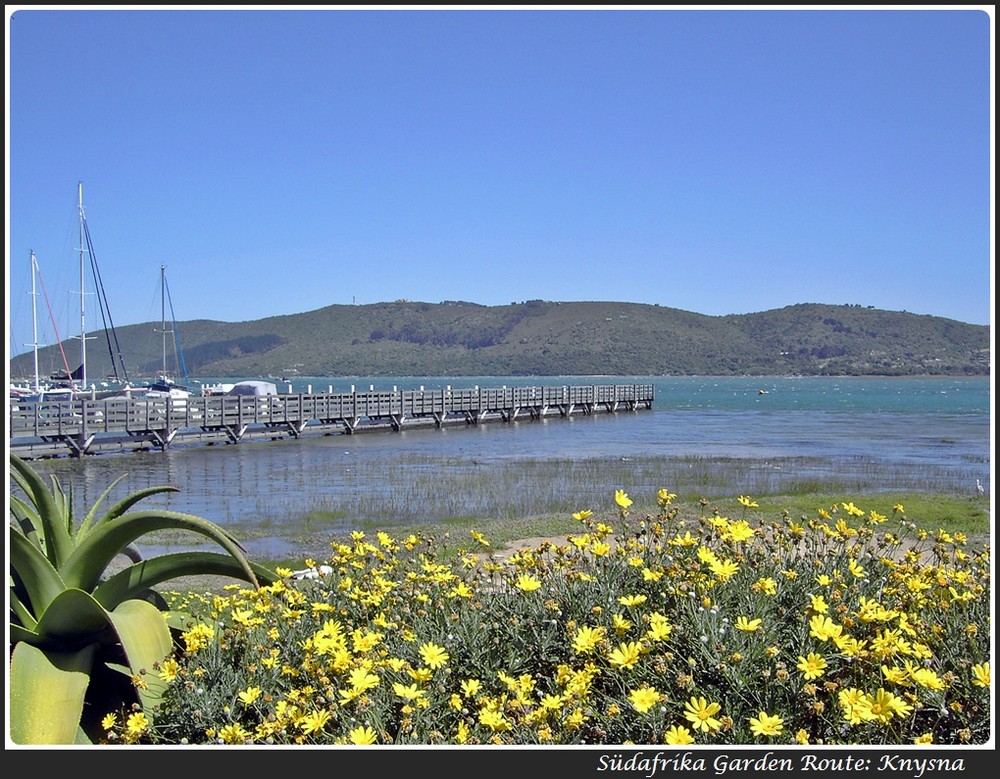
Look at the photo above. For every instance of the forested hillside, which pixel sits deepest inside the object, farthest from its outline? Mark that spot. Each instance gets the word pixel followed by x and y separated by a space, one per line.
pixel 545 338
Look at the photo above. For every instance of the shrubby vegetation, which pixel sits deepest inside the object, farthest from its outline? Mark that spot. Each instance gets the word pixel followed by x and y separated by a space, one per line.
pixel 845 626
pixel 547 338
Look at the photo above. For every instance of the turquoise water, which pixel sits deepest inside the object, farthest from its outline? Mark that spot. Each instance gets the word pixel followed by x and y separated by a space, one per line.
pixel 709 435
pixel 864 394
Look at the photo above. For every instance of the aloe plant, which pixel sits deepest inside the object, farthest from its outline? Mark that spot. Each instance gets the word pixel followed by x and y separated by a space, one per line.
pixel 86 624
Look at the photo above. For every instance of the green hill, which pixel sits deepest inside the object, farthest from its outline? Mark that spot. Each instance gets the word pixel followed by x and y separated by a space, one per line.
pixel 545 338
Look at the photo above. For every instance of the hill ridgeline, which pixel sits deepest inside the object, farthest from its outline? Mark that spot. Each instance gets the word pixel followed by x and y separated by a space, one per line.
pixel 545 338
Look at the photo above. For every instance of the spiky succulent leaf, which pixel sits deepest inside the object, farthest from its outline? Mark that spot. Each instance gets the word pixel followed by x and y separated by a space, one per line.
pixel 26 521
pixel 122 506
pixel 64 639
pixel 20 633
pixel 22 622
pixel 132 582
pixel 50 503
pixel 35 582
pixel 145 638
pixel 85 522
pixel 130 639
pixel 47 692
pixel 76 634
pixel 74 619
pixel 94 553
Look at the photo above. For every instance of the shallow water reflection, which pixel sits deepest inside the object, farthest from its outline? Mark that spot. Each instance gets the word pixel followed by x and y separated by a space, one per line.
pixel 277 490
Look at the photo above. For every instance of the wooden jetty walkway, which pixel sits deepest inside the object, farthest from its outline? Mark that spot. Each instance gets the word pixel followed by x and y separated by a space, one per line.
pixel 79 427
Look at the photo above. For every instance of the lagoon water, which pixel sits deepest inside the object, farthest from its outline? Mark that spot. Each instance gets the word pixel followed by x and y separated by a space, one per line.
pixel 710 435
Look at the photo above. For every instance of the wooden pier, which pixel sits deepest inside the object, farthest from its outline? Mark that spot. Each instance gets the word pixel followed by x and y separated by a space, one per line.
pixel 79 427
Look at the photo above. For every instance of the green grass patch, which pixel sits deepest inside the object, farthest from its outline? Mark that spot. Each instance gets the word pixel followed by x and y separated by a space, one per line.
pixel 928 511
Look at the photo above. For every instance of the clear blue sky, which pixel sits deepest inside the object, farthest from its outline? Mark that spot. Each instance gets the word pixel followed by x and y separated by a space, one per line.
pixel 715 161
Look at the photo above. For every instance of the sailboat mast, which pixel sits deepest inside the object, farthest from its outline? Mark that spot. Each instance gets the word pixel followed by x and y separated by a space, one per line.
pixel 83 291
pixel 34 318
pixel 163 315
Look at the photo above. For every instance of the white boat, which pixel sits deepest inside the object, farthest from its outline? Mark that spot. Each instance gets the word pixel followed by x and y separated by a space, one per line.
pixel 117 382
pixel 43 394
pixel 66 384
pixel 167 389
pixel 37 390
pixel 219 388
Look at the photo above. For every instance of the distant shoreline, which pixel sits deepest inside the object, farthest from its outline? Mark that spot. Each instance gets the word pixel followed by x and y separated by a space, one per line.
pixel 548 338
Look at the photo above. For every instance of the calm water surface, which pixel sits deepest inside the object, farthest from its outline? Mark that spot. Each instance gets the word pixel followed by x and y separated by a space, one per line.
pixel 712 435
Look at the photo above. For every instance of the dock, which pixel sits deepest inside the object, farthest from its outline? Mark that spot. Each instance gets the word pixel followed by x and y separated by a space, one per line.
pixel 85 426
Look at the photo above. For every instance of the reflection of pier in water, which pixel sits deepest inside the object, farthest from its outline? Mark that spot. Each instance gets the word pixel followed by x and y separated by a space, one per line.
pixel 44 429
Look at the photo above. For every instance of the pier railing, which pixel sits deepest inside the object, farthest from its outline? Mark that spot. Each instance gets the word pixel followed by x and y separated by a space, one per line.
pixel 45 428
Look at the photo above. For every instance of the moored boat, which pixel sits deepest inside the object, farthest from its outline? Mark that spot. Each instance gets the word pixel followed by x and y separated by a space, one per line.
pixel 165 387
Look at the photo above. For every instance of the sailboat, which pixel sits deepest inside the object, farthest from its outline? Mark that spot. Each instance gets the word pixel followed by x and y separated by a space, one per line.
pixel 67 384
pixel 60 384
pixel 77 379
pixel 36 389
pixel 165 385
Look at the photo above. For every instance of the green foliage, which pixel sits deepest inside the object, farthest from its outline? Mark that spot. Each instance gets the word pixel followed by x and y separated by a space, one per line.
pixel 544 338
pixel 85 629
pixel 206 353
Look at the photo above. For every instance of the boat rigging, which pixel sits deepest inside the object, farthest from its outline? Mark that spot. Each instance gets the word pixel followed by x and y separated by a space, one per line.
pixel 165 301
pixel 87 248
pixel 165 385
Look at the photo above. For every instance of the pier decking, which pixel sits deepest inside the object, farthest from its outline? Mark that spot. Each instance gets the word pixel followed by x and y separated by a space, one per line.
pixel 79 427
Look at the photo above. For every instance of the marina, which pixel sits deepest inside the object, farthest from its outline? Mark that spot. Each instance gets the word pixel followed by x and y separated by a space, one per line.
pixel 88 426
pixel 703 436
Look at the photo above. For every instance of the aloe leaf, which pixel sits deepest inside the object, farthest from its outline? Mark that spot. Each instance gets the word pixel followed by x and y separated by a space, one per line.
pixel 126 503
pixel 21 616
pixel 135 632
pixel 50 507
pixel 74 618
pixel 20 633
pixel 65 505
pixel 121 507
pixel 145 637
pixel 26 520
pixel 40 582
pixel 91 558
pixel 47 691
pixel 133 581
pixel 93 509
